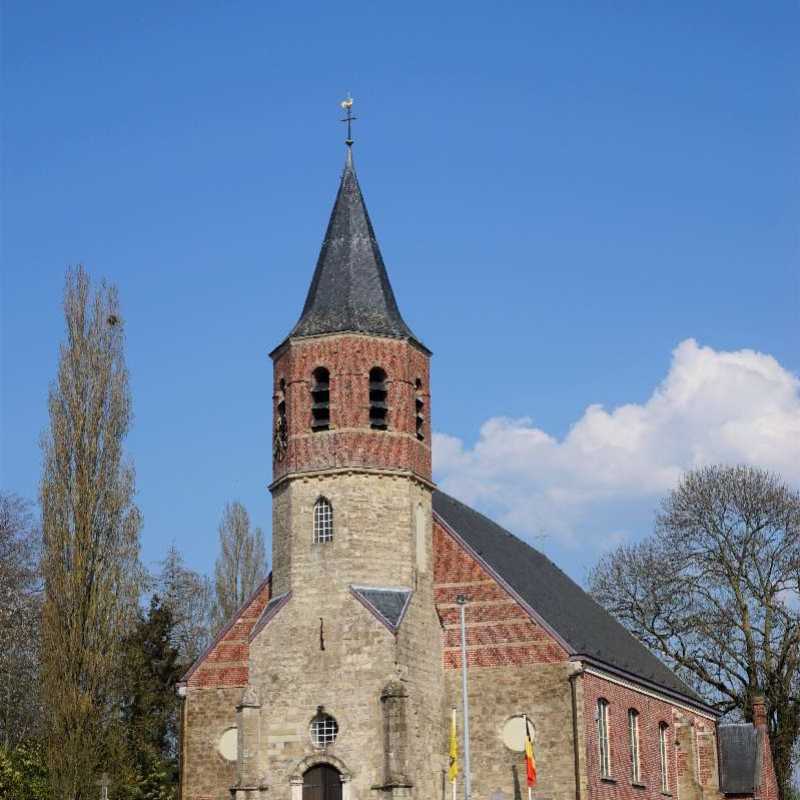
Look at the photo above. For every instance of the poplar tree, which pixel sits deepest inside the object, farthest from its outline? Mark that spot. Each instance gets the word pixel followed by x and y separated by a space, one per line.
pixel 241 564
pixel 90 528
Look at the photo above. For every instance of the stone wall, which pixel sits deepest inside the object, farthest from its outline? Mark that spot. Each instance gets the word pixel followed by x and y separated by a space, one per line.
pixel 374 539
pixel 207 714
pixel 515 667
pixel 213 687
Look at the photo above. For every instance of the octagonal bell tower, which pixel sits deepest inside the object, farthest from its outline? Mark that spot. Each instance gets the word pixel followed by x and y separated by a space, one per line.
pixel 358 634
pixel 351 409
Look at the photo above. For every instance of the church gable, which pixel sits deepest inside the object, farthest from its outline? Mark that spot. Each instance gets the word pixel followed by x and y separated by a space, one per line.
pixel 225 662
pixel 500 631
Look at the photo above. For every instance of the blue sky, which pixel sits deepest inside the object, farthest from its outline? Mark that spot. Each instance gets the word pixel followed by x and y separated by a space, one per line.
pixel 581 205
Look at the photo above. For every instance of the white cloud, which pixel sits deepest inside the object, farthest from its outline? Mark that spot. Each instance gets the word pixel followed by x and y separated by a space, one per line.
pixel 712 407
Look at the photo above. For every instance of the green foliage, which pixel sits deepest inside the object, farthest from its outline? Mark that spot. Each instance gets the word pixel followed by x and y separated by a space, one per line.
pixel 150 706
pixel 23 773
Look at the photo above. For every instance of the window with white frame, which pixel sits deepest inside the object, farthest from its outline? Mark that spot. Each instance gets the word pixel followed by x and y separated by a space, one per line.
pixel 633 738
pixel 663 751
pixel 324 729
pixel 604 743
pixel 323 521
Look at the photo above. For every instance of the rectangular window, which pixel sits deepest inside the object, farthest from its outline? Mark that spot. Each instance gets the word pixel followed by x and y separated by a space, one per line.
pixel 663 751
pixel 603 738
pixel 633 737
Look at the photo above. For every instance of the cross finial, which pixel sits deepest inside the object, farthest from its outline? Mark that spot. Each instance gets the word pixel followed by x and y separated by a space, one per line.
pixel 347 105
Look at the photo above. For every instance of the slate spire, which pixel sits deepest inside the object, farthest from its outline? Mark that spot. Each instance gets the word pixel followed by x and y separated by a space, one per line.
pixel 350 290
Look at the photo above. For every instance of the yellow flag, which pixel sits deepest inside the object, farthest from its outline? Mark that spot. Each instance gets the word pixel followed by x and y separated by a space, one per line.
pixel 453 749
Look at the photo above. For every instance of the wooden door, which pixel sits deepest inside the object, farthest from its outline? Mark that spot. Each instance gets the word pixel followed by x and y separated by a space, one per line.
pixel 322 782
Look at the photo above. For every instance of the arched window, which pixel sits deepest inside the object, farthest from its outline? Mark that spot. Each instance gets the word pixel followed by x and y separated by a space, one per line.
pixel 633 741
pixel 323 521
pixel 378 405
pixel 320 400
pixel 419 403
pixel 603 740
pixel 663 751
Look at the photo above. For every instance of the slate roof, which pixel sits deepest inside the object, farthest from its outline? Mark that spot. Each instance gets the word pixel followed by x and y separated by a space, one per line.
pixel 584 627
pixel 739 766
pixel 350 290
pixel 389 605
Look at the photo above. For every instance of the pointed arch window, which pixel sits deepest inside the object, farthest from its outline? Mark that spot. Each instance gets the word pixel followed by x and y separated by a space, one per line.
pixel 633 742
pixel 663 751
pixel 323 521
pixel 378 400
pixel 419 405
pixel 603 740
pixel 320 400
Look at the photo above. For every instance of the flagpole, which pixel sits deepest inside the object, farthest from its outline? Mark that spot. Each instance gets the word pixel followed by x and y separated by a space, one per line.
pixel 462 601
pixel 455 739
pixel 525 722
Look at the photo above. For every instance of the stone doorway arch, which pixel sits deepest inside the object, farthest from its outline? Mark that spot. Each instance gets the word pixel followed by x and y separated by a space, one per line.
pixel 322 782
pixel 320 777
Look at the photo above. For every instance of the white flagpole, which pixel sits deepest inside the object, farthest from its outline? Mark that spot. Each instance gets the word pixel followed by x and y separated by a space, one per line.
pixel 462 601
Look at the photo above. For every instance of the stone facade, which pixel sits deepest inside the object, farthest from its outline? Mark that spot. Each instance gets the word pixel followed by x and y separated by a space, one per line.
pixel 311 644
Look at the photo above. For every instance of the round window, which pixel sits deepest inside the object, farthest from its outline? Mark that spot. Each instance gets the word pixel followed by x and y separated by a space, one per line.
pixel 229 744
pixel 513 733
pixel 324 730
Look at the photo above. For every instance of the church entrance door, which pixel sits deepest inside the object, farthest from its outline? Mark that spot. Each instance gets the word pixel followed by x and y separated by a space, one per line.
pixel 322 782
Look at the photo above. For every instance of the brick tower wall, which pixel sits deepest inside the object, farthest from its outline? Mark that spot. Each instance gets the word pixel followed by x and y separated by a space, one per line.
pixel 350 442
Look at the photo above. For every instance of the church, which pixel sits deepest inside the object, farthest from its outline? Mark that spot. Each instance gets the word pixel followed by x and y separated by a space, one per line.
pixel 338 677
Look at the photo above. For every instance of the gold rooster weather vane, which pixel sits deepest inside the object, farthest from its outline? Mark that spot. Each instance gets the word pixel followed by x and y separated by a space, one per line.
pixel 347 105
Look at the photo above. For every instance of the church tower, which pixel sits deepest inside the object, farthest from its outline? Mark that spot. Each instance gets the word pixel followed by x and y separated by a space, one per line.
pixel 345 680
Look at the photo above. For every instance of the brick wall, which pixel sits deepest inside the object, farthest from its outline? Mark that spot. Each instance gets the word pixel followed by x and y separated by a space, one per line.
pixel 350 442
pixel 499 631
pixel 213 688
pixel 225 663
pixel 768 787
pixel 692 750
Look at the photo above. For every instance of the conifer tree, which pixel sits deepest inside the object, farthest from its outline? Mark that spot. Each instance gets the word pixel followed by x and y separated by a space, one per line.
pixel 90 528
pixel 150 706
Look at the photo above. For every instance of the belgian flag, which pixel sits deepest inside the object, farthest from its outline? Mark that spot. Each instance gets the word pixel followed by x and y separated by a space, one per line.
pixel 530 761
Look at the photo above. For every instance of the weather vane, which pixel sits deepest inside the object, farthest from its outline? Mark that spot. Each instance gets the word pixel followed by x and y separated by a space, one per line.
pixel 347 105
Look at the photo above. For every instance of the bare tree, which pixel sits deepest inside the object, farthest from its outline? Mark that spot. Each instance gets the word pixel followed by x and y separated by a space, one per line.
pixel 241 564
pixel 715 591
pixel 90 528
pixel 189 597
pixel 20 610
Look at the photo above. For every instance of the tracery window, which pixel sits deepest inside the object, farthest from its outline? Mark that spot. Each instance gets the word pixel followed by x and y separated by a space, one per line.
pixel 320 400
pixel 663 751
pixel 323 521
pixel 633 740
pixel 378 395
pixel 604 742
